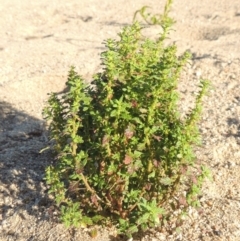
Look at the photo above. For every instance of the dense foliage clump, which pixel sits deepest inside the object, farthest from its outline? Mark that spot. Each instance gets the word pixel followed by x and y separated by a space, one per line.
pixel 124 155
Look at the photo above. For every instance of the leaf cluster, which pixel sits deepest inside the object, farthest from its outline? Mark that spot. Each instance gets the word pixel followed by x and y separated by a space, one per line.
pixel 123 155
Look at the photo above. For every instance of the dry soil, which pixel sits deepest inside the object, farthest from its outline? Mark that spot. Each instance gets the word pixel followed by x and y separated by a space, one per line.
pixel 39 41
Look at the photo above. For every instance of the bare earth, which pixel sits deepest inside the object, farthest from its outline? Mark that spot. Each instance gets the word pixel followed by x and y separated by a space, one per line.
pixel 39 41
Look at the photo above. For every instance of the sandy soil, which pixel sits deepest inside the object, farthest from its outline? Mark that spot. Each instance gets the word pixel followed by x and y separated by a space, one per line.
pixel 41 39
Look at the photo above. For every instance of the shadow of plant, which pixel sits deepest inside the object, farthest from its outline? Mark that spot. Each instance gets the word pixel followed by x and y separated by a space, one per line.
pixel 21 166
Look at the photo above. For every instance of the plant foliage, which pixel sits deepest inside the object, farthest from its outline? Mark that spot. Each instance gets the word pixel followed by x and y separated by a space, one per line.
pixel 123 153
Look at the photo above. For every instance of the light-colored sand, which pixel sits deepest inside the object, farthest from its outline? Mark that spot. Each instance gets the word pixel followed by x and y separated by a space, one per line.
pixel 39 41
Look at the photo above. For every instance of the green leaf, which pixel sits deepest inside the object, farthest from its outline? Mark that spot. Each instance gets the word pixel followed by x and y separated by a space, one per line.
pixel 166 181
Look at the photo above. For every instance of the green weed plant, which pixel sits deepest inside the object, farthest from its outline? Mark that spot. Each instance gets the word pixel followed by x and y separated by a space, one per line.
pixel 123 154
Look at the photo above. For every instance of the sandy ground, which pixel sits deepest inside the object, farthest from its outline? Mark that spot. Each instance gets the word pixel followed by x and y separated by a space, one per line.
pixel 41 39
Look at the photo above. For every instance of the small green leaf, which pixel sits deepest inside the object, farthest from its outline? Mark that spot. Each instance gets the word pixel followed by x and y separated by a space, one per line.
pixel 166 181
pixel 93 233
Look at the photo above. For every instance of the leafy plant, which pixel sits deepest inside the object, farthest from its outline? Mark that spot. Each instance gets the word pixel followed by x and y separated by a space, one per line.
pixel 123 154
